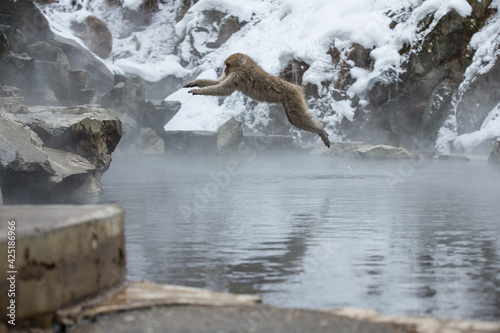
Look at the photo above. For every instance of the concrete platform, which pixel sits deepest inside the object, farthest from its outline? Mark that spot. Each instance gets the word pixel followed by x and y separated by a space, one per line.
pixel 262 318
pixel 63 254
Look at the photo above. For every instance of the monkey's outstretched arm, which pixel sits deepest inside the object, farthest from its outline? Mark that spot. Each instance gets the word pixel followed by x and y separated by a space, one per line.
pixel 218 90
pixel 204 82
pixel 201 83
pixel 223 88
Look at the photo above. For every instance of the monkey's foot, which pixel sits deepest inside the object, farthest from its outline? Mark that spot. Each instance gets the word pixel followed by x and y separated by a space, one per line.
pixel 324 137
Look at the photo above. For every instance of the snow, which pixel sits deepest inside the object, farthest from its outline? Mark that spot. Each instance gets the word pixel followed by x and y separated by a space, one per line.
pixel 276 33
pixel 154 71
pixel 132 4
pixel 489 129
pixel 195 117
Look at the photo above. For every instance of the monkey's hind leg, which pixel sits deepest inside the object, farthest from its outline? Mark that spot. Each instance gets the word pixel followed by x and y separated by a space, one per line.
pixel 298 116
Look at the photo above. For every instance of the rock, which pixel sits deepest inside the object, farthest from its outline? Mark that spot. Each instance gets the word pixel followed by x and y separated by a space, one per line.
pixel 49 80
pixel 74 178
pixel 30 21
pixel 229 136
pixel 20 150
pixel 216 27
pixel 479 8
pixel 228 26
pixel 87 131
pixel 460 158
pixel 126 97
pixel 164 87
pixel 11 99
pixel 407 109
pixel 382 152
pixel 157 116
pixel 278 122
pixel 478 100
pixel 98 76
pixel 44 51
pixel 494 158
pixel 261 142
pixel 1 196
pixel 32 173
pixel 221 25
pixel 4 45
pixel 338 149
pixel 8 91
pixel 200 142
pixel 360 56
pixel 16 42
pixel 16 70
pixel 142 141
pixel 203 142
pixel 436 111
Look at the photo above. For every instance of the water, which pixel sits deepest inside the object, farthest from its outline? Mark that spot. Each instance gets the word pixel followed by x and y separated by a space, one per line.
pixel 312 232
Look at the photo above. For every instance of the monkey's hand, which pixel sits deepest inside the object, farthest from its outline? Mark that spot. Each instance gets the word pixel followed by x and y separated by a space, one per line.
pixel 194 91
pixel 191 84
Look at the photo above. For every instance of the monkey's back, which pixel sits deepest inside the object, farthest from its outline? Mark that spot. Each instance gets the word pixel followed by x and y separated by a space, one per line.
pixel 264 87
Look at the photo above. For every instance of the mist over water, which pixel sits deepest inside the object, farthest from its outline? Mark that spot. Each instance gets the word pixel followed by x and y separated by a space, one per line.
pixel 313 232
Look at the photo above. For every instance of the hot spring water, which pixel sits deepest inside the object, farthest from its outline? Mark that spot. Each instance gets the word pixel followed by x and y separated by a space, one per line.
pixel 402 237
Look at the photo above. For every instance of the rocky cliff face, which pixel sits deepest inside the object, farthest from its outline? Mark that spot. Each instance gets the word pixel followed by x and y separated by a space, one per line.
pixel 444 87
pixel 49 150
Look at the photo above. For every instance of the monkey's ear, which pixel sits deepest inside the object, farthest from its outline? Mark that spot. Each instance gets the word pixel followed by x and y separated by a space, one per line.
pixel 242 59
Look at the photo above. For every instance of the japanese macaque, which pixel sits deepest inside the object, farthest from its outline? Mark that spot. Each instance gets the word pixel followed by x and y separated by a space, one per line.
pixel 243 74
pixel 97 36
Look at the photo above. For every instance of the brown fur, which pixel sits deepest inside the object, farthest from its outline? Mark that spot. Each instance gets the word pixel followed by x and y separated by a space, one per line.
pixel 98 37
pixel 243 74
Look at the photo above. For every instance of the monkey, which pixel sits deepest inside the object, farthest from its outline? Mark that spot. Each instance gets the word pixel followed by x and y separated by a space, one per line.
pixel 244 74
pixel 97 36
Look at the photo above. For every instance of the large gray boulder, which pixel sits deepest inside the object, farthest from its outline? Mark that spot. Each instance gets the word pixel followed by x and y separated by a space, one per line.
pixel 157 116
pixel 126 97
pixel 64 161
pixel 141 141
pixel 494 158
pixel 229 136
pixel 32 173
pixel 90 132
pixel 382 152
pixel 199 142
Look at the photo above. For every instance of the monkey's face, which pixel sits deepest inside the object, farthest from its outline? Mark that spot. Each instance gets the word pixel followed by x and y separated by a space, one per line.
pixel 234 62
pixel 231 65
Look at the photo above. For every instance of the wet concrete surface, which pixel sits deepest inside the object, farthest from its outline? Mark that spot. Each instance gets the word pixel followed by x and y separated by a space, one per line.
pixel 218 319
